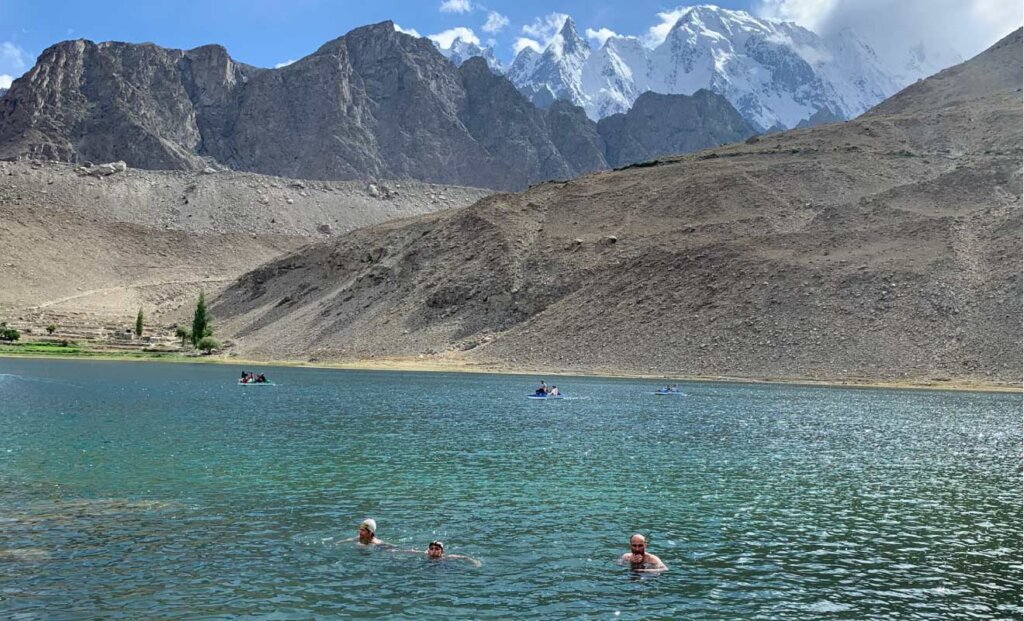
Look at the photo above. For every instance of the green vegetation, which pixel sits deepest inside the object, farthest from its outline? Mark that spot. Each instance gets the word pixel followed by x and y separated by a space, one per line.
pixel 208 344
pixel 138 324
pixel 201 326
pixel 50 329
pixel 182 333
pixel 8 334
pixel 64 347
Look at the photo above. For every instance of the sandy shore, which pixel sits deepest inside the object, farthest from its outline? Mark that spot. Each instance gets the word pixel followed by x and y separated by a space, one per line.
pixel 456 365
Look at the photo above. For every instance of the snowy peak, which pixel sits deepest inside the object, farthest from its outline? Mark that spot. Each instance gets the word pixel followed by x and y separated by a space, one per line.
pixel 557 73
pixel 775 73
pixel 568 41
pixel 460 51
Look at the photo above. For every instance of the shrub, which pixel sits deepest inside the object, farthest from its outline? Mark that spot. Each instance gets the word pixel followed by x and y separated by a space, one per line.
pixel 208 344
pixel 9 334
pixel 50 329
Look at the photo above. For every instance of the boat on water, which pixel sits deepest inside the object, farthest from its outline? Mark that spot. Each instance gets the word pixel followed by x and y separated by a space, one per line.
pixel 544 397
pixel 669 392
pixel 254 379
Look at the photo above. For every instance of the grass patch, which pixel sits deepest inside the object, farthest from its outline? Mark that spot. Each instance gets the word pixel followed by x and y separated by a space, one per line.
pixel 41 348
pixel 74 350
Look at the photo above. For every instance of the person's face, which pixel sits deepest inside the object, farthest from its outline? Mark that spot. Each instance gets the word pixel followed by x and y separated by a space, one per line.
pixel 435 551
pixel 365 534
pixel 637 546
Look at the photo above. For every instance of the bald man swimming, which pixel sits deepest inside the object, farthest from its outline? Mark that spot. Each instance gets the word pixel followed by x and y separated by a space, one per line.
pixel 639 559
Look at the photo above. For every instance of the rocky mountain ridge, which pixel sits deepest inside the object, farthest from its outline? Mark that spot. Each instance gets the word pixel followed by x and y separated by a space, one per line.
pixel 374 103
pixel 886 248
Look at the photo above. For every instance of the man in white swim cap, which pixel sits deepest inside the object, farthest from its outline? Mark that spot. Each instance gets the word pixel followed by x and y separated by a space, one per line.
pixel 368 533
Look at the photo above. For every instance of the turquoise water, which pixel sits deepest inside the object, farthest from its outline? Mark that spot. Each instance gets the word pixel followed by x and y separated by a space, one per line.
pixel 166 491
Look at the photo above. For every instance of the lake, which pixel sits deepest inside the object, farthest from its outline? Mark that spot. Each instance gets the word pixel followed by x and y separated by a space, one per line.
pixel 167 491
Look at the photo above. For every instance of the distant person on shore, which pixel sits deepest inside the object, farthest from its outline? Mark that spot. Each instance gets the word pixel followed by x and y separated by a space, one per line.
pixel 435 552
pixel 367 534
pixel 639 559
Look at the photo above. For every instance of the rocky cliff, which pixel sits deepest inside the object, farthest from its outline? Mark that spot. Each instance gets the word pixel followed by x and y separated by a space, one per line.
pixel 374 103
pixel 670 124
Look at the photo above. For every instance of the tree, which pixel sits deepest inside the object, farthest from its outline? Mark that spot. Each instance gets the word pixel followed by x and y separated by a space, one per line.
pixel 182 333
pixel 50 329
pixel 138 323
pixel 208 344
pixel 201 326
pixel 8 334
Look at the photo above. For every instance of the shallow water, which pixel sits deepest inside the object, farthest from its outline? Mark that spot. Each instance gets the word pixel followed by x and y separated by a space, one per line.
pixel 167 491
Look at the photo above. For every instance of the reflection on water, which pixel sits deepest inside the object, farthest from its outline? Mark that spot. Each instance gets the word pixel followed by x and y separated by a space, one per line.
pixel 167 491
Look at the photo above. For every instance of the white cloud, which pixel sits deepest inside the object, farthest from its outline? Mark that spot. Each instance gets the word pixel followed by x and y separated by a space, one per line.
pixel 892 26
pixel 13 59
pixel 807 13
pixel 5 81
pixel 445 39
pixel 495 22
pixel 456 6
pixel 545 28
pixel 601 35
pixel 408 31
pixel 523 43
pixel 284 64
pixel 656 34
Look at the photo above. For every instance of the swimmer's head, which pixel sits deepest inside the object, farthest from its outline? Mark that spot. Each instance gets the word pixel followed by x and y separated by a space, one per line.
pixel 638 544
pixel 435 549
pixel 369 525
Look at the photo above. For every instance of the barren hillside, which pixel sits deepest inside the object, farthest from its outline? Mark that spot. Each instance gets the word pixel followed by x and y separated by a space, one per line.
pixel 888 247
pixel 108 244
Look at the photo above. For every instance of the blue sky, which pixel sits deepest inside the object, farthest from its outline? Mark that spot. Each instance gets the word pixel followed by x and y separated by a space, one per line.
pixel 268 32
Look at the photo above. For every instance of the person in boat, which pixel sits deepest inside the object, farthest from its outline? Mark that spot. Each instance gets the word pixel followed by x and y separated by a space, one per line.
pixel 435 552
pixel 554 391
pixel 543 389
pixel 639 559
pixel 261 378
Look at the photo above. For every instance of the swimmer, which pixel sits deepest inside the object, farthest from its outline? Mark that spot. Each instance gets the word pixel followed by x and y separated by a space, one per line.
pixel 639 559
pixel 435 552
pixel 367 534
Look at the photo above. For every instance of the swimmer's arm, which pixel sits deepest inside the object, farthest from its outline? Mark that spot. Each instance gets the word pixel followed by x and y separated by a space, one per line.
pixel 659 566
pixel 624 559
pixel 472 560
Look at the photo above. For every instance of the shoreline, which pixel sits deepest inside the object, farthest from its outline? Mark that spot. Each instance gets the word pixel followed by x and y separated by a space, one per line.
pixel 434 365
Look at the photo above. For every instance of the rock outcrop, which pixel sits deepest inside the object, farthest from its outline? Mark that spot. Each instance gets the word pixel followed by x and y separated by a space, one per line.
pixel 670 124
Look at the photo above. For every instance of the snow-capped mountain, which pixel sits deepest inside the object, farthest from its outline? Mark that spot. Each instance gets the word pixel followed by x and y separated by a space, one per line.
pixel 461 50
pixel 775 73
pixel 557 73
